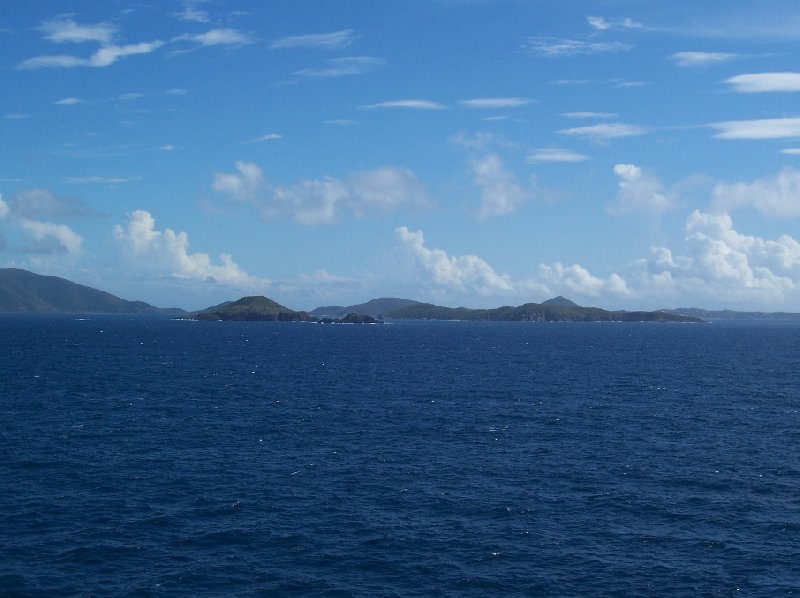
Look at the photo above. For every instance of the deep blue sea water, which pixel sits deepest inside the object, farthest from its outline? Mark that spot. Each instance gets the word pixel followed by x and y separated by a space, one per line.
pixel 148 457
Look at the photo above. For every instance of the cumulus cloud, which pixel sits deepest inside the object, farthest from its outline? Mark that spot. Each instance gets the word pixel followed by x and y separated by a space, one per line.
pixel 721 262
pixel 244 185
pixel 323 201
pixel 52 237
pixel 605 131
pixel 386 189
pixel 778 196
pixel 577 279
pixel 639 191
pixel 168 249
pixel 501 193
pixel 764 128
pixel 701 59
pixel 328 41
pixel 765 82
pixel 463 273
pixel 554 48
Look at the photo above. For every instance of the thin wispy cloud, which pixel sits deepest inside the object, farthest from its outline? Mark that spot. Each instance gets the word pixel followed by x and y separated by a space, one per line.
pixel 267 137
pixel 342 67
pixel 407 104
pixel 550 47
pixel 702 59
pixel 105 56
pixel 100 180
pixel 327 41
pixel 218 37
pixel 16 116
pixel 605 131
pixel 71 101
pixel 786 82
pixel 496 103
pixel 192 13
pixel 583 115
pixel 555 155
pixel 764 128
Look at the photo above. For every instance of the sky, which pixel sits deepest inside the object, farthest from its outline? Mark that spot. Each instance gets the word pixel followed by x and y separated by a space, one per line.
pixel 626 154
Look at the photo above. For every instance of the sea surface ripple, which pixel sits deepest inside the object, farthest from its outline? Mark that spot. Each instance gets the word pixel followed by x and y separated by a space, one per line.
pixel 149 457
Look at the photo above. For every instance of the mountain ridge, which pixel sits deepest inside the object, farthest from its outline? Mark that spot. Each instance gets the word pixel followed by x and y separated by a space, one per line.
pixel 22 291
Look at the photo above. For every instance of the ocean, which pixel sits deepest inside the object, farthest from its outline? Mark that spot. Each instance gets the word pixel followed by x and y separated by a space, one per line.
pixel 141 456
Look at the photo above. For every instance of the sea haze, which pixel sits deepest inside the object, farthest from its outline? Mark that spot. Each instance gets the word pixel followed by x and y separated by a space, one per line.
pixel 145 456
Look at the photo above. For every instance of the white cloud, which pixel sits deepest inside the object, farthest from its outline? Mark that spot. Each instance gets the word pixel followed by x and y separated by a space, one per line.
pixel 65 30
pixel 778 196
pixel 639 191
pixel 105 56
pixel 409 104
pixel 167 148
pixel 495 103
pixel 327 41
pixel 309 202
pixel 589 114
pixel 312 202
pixel 604 131
pixel 192 13
pixel 218 37
pixel 4 209
pixel 765 82
pixel 764 128
pixel 577 279
pixel 555 155
pixel 385 189
pixel 33 204
pixel 791 151
pixel 342 67
pixel 247 185
pixel 71 101
pixel 169 250
pixel 267 137
pixel 65 238
pixel 463 273
pixel 16 116
pixel 553 47
pixel 601 24
pixel 722 262
pixel 501 193
pixel 100 180
pixel 701 59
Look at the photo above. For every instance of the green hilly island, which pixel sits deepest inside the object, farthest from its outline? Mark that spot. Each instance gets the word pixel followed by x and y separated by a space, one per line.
pixel 25 292
pixel 22 291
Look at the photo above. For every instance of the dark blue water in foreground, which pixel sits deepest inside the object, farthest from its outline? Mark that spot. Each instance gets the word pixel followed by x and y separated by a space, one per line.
pixel 146 457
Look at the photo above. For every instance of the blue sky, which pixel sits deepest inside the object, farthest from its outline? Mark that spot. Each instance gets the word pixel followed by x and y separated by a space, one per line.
pixel 623 153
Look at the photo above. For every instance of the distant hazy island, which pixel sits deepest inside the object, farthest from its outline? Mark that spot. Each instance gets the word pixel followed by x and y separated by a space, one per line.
pixel 25 292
